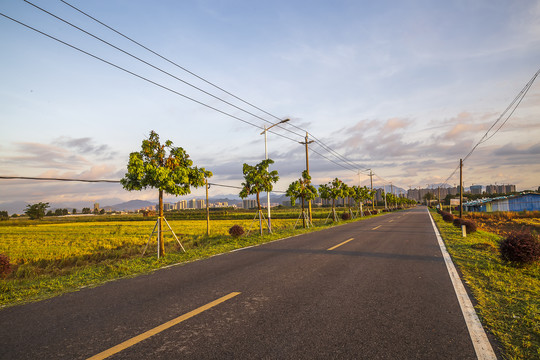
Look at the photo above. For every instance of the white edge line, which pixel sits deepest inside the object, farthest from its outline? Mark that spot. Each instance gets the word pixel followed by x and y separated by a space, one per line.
pixel 481 344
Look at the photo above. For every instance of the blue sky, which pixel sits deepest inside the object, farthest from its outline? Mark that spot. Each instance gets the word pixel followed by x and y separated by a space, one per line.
pixel 405 88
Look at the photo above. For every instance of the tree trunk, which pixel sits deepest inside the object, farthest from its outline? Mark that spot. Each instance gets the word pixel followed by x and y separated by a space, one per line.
pixel 260 214
pixel 161 245
pixel 303 215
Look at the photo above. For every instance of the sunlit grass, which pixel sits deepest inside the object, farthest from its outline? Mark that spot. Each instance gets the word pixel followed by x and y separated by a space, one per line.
pixel 508 297
pixel 54 257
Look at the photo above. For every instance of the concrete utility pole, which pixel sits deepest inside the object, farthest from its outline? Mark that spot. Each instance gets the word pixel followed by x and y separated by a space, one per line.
pixel 371 181
pixel 306 143
pixel 266 158
pixel 207 211
pixel 460 188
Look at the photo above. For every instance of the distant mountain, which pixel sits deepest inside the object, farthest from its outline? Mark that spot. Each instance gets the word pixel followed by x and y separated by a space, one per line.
pixel 129 205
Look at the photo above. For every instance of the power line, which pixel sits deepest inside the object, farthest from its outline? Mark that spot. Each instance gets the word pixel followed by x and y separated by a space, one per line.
pixel 141 77
pixel 208 82
pixel 101 181
pixel 350 165
pixel 512 107
pixel 517 99
pixel 58 179
pixel 149 64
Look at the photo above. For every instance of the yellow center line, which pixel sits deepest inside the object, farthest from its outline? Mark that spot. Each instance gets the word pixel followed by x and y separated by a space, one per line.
pixel 160 328
pixel 338 245
pixel 375 228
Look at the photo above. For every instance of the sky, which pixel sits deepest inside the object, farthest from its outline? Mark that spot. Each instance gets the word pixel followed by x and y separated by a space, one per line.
pixel 405 88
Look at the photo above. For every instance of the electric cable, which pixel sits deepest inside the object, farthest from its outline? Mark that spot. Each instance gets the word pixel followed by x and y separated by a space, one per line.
pixel 201 78
pixel 319 142
pixel 142 77
pixel 147 63
pixel 182 68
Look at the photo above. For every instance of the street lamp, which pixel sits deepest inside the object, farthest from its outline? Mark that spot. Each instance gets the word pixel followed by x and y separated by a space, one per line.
pixel 266 158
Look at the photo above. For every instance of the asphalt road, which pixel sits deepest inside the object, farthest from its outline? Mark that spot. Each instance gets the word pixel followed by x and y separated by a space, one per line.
pixel 385 294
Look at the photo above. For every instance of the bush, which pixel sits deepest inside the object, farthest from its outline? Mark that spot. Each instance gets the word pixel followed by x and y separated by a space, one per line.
pixel 469 225
pixel 520 247
pixel 236 231
pixel 457 222
pixel 447 217
pixel 346 216
pixel 5 266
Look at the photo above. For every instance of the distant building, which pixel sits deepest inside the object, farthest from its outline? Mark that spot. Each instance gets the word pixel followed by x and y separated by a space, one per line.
pixel 181 205
pixel 201 204
pixel 96 207
pixel 522 202
pixel 249 204
pixel 500 189
pixel 192 204
pixel 476 189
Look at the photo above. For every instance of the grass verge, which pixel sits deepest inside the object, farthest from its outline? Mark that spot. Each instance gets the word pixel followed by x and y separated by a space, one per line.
pixel 507 297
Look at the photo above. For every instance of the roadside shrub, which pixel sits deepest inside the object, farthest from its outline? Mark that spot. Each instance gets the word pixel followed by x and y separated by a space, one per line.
pixel 520 247
pixel 457 222
pixel 5 266
pixel 469 225
pixel 346 216
pixel 447 217
pixel 236 231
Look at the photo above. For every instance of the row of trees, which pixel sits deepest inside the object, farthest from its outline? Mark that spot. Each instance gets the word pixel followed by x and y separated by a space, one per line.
pixel 170 170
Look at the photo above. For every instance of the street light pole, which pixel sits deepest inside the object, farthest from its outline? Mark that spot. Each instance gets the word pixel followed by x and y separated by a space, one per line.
pixel 266 158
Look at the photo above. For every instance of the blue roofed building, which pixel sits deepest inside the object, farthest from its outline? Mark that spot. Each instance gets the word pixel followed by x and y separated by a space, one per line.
pixel 521 202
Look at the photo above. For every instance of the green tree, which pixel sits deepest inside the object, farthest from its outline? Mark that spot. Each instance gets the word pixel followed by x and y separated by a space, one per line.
pixel 361 194
pixel 36 211
pixel 333 190
pixel 258 179
pixel 86 210
pixel 74 211
pixel 302 189
pixel 164 167
pixel 4 215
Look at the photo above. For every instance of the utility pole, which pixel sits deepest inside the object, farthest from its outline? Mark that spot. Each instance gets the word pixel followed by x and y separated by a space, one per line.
pixel 207 211
pixel 306 143
pixel 373 196
pixel 392 189
pixel 460 188
pixel 266 157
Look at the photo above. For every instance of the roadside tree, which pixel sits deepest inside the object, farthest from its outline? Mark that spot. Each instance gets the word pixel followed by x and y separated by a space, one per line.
pixel 258 179
pixel 302 189
pixel 166 168
pixel 333 190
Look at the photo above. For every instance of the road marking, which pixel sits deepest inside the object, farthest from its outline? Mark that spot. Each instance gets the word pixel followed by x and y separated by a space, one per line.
pixel 338 245
pixel 376 227
pixel 481 344
pixel 390 220
pixel 160 328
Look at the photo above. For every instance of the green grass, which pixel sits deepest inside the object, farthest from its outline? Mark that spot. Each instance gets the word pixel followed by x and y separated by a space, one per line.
pixel 51 258
pixel 507 297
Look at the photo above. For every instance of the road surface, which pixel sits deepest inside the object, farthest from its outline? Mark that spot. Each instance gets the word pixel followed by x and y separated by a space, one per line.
pixel 373 289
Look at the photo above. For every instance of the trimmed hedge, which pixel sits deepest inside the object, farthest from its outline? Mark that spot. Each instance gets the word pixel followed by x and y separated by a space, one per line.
pixel 520 247
pixel 236 231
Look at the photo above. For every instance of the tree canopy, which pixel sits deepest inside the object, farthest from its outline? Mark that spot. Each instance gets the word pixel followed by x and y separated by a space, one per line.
pixel 258 179
pixel 152 167
pixel 301 189
pixel 36 211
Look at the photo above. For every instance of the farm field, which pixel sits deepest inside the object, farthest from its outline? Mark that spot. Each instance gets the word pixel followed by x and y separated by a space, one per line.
pixel 507 296
pixel 504 222
pixel 64 254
